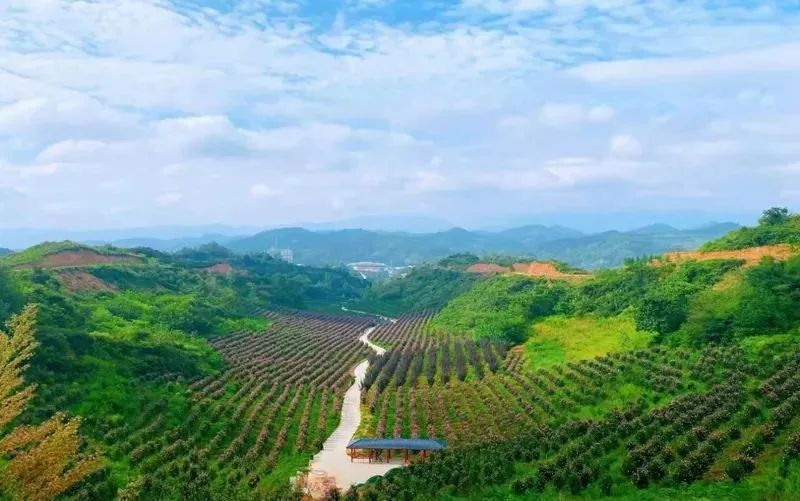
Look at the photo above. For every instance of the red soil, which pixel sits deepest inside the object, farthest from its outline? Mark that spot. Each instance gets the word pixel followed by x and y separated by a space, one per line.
pixel 220 268
pixel 80 281
pixel 750 256
pixel 487 268
pixel 82 258
pixel 532 269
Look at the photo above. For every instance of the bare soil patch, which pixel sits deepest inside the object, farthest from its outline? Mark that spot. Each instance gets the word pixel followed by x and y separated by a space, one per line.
pixel 487 268
pixel 220 268
pixel 83 258
pixel 750 256
pixel 531 269
pixel 80 281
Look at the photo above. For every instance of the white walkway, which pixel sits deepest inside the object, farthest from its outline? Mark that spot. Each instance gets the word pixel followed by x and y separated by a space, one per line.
pixel 332 464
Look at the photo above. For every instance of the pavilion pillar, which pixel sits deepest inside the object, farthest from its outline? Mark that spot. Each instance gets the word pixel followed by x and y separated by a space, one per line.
pixel 406 458
pixel 352 452
pixel 388 455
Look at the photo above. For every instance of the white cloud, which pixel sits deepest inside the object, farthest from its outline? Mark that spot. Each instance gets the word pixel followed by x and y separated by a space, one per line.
pixel 168 111
pixel 625 145
pixel 700 151
pixel 778 59
pixel 168 199
pixel 789 168
pixel 262 191
pixel 565 114
pixel 602 113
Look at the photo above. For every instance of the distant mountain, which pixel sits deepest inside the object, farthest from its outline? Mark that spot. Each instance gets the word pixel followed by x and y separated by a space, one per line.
pixel 544 242
pixel 321 247
pixel 21 238
pixel 611 248
pixel 344 246
pixel 169 244
pixel 393 223
pixel 5 252
pixel 535 234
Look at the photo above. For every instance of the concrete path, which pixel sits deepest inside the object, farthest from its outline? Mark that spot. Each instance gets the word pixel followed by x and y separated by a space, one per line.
pixel 332 464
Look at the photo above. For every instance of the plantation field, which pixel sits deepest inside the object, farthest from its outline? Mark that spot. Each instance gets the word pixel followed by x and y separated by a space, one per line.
pixel 715 415
pixel 675 381
pixel 248 428
pixel 560 339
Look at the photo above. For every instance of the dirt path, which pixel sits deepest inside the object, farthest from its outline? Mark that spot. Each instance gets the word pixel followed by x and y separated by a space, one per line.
pixel 332 466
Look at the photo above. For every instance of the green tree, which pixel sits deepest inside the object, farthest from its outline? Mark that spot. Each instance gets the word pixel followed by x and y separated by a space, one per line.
pixel 774 216
pixel 44 460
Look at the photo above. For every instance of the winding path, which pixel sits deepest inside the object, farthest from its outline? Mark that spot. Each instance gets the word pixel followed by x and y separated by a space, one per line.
pixel 332 464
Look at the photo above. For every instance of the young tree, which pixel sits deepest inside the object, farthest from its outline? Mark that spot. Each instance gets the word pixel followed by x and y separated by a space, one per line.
pixel 44 460
pixel 774 216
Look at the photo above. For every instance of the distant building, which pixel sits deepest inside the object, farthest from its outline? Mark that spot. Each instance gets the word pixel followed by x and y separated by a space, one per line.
pixel 369 267
pixel 284 254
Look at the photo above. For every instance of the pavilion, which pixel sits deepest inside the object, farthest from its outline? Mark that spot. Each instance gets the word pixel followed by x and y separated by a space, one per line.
pixel 374 448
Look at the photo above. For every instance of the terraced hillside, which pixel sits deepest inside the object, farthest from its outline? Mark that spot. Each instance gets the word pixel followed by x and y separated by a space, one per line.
pixel 662 418
pixel 246 429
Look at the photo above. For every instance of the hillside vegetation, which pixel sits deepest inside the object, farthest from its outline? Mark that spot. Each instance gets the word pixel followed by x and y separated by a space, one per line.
pixel 505 306
pixel 559 339
pixel 776 226
pixel 121 350
pixel 198 376
pixel 425 287
pixel 657 380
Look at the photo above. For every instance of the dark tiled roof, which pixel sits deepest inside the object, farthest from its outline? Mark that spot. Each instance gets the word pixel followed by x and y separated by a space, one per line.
pixel 412 444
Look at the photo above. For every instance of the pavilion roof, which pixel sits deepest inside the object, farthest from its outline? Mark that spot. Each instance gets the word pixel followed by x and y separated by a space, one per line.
pixel 411 444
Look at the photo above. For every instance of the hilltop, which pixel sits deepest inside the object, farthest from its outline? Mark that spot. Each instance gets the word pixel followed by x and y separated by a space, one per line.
pixel 776 226
pixel 69 254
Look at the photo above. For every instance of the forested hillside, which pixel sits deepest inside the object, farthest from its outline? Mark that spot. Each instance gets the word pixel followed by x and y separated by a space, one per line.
pixel 426 287
pixel 542 242
pixel 659 380
pixel 121 334
pixel 776 226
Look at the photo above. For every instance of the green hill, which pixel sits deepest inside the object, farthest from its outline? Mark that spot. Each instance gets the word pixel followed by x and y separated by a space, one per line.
pixel 541 242
pixel 776 226
pixel 425 287
pixel 652 381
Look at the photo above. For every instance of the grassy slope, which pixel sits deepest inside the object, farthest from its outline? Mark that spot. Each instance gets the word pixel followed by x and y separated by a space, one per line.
pixel 560 339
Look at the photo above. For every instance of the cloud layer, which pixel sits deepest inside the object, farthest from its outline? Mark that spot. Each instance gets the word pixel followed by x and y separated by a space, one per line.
pixel 266 112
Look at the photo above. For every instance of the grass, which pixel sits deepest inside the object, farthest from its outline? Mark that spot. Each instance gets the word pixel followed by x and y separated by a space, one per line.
pixel 560 339
pixel 249 324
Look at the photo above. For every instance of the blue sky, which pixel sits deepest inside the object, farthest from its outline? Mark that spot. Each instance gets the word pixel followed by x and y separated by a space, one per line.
pixel 267 112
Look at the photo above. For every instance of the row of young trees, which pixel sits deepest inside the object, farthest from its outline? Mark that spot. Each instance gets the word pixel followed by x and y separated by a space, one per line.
pixel 278 397
pixel 535 418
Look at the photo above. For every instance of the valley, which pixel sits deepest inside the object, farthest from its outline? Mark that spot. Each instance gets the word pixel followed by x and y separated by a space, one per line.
pixel 207 374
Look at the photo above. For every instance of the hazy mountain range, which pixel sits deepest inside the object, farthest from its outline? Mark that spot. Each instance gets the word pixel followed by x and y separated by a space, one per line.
pixel 544 242
pixel 319 246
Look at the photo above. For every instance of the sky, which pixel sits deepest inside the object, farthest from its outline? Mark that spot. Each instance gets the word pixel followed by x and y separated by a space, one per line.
pixel 268 112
